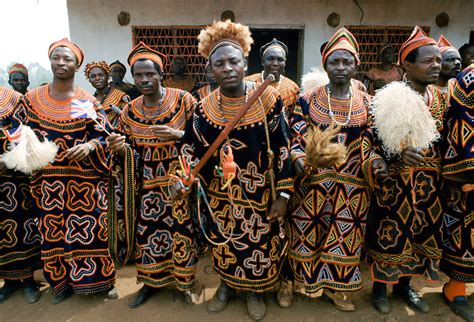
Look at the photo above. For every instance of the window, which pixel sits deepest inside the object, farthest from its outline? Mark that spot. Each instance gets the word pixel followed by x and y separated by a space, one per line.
pixel 174 41
pixel 370 38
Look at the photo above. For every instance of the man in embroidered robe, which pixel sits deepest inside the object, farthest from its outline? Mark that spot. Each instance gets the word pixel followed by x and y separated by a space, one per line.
pixel 458 172
pixel 71 193
pixel 117 73
pixel 273 56
pixel 406 222
pixel 18 78
pixel 384 73
pixel 180 78
pixel 152 126
pixel 450 66
pixel 246 242
pixel 20 241
pixel 331 202
pixel 111 99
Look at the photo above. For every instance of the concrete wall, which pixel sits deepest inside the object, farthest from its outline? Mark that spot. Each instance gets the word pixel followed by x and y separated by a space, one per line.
pixel 93 23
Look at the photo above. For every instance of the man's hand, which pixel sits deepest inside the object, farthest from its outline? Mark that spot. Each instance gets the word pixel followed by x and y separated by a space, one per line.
pixel 116 143
pixel 78 152
pixel 453 191
pixel 380 169
pixel 300 169
pixel 412 156
pixel 165 133
pixel 178 191
pixel 278 209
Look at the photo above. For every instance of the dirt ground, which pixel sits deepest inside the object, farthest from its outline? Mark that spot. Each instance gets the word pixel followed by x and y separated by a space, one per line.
pixel 170 306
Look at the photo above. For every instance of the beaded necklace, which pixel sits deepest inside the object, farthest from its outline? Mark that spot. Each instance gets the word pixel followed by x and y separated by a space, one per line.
pixel 148 119
pixel 219 101
pixel 331 113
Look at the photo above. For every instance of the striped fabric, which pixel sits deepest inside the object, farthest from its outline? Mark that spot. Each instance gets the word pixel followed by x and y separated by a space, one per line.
pixel 417 39
pixel 342 40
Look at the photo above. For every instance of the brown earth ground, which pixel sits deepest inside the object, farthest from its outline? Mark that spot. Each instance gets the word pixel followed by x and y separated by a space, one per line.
pixel 170 306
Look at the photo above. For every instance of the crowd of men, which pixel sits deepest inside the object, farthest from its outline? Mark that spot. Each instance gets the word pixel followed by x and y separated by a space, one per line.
pixel 288 194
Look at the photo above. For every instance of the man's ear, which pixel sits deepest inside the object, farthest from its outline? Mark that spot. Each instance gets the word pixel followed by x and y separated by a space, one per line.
pixel 246 66
pixel 407 66
pixel 261 61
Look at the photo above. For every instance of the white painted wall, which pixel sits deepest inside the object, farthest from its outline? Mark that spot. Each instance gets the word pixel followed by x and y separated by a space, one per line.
pixel 93 23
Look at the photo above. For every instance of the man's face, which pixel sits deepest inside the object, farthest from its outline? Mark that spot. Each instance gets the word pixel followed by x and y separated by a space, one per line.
pixel 387 55
pixel 98 78
pixel 228 66
pixel 117 74
pixel 19 82
pixel 63 63
pixel 340 67
pixel 146 77
pixel 274 62
pixel 178 66
pixel 468 56
pixel 427 66
pixel 451 64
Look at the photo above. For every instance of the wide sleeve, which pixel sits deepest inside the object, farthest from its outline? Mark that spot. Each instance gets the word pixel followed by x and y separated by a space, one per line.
pixel 188 103
pixel 279 144
pixel 458 145
pixel 371 150
pixel 122 196
pixel 298 128
pixel 13 120
pixel 96 135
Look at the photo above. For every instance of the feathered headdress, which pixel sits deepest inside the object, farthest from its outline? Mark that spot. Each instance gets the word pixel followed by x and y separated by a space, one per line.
pixel 222 33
